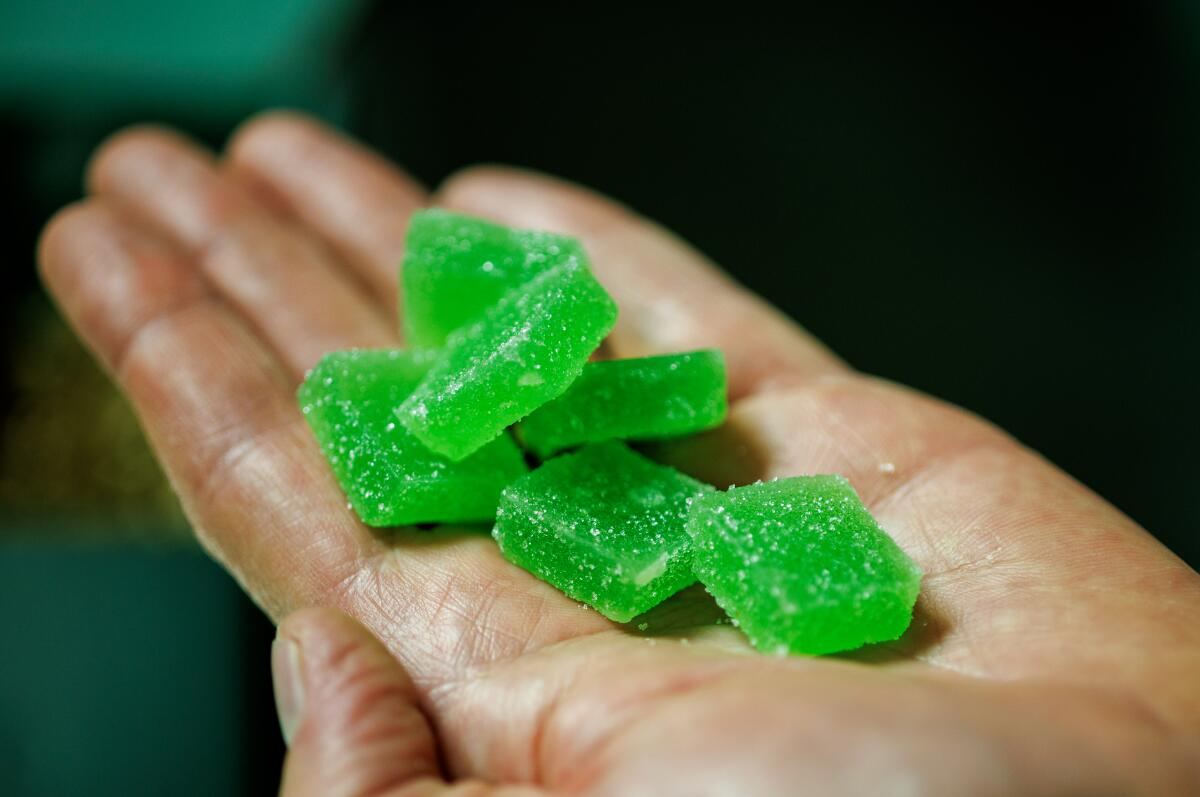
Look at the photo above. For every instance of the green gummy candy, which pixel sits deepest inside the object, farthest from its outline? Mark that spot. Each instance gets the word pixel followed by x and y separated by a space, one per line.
pixel 635 399
pixel 389 477
pixel 456 267
pixel 525 350
pixel 801 565
pixel 604 525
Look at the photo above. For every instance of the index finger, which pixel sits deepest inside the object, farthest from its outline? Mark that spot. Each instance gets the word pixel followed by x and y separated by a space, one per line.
pixel 671 297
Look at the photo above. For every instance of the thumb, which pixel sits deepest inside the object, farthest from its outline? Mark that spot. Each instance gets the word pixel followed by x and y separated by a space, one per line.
pixel 349 714
pixel 348 711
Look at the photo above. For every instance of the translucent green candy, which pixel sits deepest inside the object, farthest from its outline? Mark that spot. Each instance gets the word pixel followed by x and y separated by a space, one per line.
pixel 389 477
pixel 637 399
pixel 802 566
pixel 456 267
pixel 523 352
pixel 604 525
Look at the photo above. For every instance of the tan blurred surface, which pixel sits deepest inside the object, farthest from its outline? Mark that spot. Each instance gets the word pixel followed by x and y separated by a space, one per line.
pixel 72 451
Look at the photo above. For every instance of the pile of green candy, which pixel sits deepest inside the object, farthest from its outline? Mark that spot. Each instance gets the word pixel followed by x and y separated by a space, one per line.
pixel 502 324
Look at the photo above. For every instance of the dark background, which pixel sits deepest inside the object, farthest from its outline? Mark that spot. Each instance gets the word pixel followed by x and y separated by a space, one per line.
pixel 996 208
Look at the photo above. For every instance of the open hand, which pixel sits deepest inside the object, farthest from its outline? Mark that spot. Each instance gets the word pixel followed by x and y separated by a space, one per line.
pixel 1055 648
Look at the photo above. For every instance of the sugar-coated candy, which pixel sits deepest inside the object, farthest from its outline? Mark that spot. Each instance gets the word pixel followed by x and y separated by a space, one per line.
pixel 605 525
pixel 456 267
pixel 525 350
pixel 390 477
pixel 641 398
pixel 801 565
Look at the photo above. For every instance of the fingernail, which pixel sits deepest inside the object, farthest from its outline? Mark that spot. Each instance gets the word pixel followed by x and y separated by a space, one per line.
pixel 289 685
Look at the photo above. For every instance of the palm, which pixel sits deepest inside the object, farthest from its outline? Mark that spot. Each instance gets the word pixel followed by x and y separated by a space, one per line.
pixel 209 286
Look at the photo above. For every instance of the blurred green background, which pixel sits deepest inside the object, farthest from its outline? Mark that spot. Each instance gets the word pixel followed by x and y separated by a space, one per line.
pixel 996 208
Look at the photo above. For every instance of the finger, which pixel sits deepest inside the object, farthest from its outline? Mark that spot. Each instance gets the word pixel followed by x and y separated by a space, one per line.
pixel 355 200
pixel 348 711
pixel 350 714
pixel 671 297
pixel 216 406
pixel 298 297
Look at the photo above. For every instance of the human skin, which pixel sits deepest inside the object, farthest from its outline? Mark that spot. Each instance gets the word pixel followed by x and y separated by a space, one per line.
pixel 1055 648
